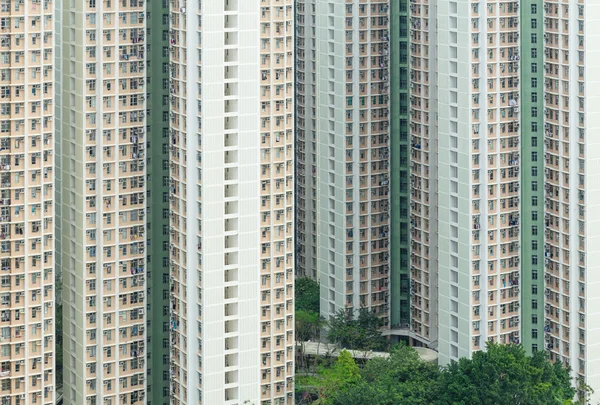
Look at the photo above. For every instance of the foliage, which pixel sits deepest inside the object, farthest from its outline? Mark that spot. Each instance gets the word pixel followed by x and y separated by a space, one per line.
pixel 584 393
pixel 307 295
pixel 307 382
pixel 308 325
pixel 504 374
pixel 357 333
pixel 308 321
pixel 343 375
pixel 403 378
pixel 501 375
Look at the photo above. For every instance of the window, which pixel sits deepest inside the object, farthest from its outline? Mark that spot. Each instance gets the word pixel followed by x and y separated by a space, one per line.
pixel 534 334
pixel 534 215
pixel 534 127
pixel 534 171
pixel 534 97
pixel 534 229
pixel 534 289
pixel 534 186
pixel 533 23
pixel 534 9
pixel 533 304
pixel 534 38
pixel 534 141
pixel 534 68
pixel 534 53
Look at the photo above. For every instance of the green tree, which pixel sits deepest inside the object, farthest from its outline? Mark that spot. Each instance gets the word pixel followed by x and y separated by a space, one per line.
pixel 343 375
pixel 307 295
pixel 308 321
pixel 501 375
pixel 402 379
pixel 584 393
pixel 357 332
pixel 308 327
pixel 505 375
pixel 363 394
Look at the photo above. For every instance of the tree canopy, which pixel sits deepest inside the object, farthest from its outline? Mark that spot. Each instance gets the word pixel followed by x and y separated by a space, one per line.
pixel 357 332
pixel 342 376
pixel 403 378
pixel 500 375
pixel 308 325
pixel 308 320
pixel 505 374
pixel 307 295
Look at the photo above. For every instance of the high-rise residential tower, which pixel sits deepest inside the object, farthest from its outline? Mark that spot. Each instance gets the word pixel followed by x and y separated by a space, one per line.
pixel 568 56
pixel 503 166
pixel 231 86
pixel 471 141
pixel 103 199
pixel 27 290
pixel 343 152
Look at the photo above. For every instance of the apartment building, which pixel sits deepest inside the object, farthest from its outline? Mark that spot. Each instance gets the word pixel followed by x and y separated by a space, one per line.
pixel 343 140
pixel 306 149
pixel 231 84
pixel 424 173
pixel 27 294
pixel 465 175
pixel 103 197
pixel 491 110
pixel 502 169
pixel 569 60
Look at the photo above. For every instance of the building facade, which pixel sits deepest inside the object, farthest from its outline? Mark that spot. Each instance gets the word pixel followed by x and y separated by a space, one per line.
pixel 231 83
pixel 465 176
pixel 157 107
pixel 443 166
pixel 424 171
pixel 400 162
pixel 343 152
pixel 502 169
pixel 185 198
pixel 103 196
pixel 571 114
pixel 27 145
pixel 532 151
pixel 490 113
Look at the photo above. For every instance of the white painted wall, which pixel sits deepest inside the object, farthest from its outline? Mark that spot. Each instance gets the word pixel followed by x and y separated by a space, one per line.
pixel 210 205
